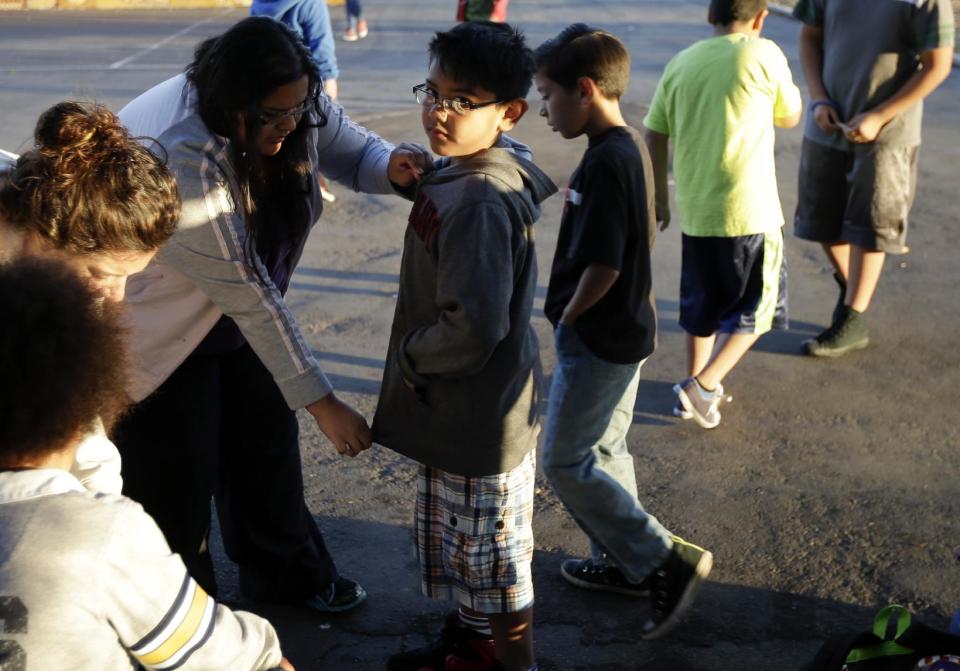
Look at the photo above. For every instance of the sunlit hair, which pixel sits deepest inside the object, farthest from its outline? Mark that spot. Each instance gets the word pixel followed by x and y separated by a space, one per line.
pixel 726 12
pixel 62 360
pixel 233 73
pixel 87 186
pixel 493 56
pixel 581 51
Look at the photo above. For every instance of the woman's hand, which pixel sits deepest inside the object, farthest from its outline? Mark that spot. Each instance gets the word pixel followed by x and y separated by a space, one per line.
pixel 285 665
pixel 408 162
pixel 342 425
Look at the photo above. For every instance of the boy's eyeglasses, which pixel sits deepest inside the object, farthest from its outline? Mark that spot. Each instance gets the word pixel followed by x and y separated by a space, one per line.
pixel 427 97
pixel 274 118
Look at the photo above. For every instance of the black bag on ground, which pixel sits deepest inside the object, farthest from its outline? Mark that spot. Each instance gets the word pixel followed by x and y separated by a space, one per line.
pixel 896 643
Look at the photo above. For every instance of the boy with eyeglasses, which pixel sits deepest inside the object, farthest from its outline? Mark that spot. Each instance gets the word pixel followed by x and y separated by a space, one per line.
pixel 461 384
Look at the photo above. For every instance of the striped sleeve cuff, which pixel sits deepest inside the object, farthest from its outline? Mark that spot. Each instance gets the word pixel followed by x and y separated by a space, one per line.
pixel 186 626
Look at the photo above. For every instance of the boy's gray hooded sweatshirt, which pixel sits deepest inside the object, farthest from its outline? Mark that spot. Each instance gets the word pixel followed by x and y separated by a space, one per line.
pixel 461 332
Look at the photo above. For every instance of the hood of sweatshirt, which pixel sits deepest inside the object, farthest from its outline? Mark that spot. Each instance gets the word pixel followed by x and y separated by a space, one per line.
pixel 506 166
pixel 274 8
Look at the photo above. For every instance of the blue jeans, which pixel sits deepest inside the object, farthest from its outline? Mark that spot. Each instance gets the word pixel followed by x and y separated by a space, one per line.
pixel 354 11
pixel 586 459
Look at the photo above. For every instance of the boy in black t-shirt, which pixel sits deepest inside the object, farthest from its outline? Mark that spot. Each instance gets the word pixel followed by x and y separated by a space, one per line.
pixel 600 303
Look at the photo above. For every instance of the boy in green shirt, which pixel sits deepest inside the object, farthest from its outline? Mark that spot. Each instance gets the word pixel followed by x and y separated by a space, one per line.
pixel 718 101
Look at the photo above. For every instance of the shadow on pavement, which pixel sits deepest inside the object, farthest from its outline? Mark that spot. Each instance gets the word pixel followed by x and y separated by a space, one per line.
pixel 733 627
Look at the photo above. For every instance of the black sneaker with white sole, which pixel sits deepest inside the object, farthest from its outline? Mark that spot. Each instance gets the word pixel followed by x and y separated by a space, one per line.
pixel 588 574
pixel 674 586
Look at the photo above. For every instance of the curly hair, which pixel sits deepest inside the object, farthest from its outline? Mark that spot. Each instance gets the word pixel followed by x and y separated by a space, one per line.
pixel 87 186
pixel 62 360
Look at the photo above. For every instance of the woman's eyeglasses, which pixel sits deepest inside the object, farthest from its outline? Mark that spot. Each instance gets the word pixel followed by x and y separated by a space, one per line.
pixel 427 97
pixel 275 118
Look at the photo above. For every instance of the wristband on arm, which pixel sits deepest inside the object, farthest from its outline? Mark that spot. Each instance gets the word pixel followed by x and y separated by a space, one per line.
pixel 814 104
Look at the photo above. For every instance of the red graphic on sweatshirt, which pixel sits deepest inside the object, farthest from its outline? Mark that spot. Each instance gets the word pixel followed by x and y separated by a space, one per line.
pixel 425 220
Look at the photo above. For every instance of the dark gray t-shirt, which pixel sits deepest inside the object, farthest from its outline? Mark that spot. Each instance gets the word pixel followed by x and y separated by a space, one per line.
pixel 870 49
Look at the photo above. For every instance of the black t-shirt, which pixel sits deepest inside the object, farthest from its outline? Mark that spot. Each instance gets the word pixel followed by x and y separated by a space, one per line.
pixel 608 218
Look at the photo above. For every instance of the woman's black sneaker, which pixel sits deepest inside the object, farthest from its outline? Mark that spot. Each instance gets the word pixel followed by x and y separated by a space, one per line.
pixel 341 595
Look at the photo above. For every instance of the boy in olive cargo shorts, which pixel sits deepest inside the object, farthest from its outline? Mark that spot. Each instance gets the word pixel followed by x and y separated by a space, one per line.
pixel 868 64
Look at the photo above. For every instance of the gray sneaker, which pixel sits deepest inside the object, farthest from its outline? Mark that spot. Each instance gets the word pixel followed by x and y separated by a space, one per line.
pixel 680 411
pixel 683 413
pixel 674 586
pixel 699 402
pixel 847 333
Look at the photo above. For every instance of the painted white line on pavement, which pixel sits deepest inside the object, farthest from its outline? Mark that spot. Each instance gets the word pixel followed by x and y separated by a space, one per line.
pixel 14 69
pixel 124 61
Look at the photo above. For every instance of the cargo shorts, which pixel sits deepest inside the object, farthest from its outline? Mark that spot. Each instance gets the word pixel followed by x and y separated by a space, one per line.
pixel 861 196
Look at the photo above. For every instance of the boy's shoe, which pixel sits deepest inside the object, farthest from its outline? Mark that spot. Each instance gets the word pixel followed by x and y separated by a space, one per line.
pixel 675 585
pixel 683 413
pixel 457 649
pixel 699 402
pixel 362 29
pixel 340 596
pixel 350 34
pixel 847 333
pixel 589 574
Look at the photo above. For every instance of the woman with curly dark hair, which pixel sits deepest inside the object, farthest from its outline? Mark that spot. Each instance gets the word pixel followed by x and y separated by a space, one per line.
pixel 92 197
pixel 221 364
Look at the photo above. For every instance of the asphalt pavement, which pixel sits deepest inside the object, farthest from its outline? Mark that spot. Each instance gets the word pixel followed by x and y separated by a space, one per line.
pixel 829 490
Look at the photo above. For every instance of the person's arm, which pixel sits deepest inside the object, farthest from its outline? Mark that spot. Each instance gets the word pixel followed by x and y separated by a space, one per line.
pixel 209 247
pixel 363 161
pixel 824 110
pixel 475 275
pixel 658 146
pixel 594 284
pixel 788 103
pixel 318 36
pixel 160 614
pixel 935 68
pixel 788 121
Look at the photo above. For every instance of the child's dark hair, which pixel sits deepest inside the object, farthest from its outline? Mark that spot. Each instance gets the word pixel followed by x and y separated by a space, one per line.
pixel 233 73
pixel 581 51
pixel 489 55
pixel 62 360
pixel 87 186
pixel 726 12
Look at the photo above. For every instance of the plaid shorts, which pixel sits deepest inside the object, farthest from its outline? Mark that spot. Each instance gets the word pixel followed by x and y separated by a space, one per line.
pixel 475 537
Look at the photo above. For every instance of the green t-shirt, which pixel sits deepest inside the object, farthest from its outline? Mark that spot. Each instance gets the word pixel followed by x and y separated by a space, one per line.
pixel 717 101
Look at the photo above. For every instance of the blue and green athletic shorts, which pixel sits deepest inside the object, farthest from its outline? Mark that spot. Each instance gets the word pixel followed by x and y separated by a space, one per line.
pixel 733 285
